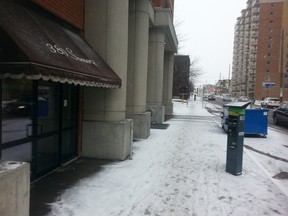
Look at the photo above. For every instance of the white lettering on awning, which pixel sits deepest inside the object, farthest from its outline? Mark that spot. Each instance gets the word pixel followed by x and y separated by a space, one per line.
pixel 69 53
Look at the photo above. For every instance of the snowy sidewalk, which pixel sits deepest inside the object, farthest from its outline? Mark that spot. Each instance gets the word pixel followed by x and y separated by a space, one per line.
pixel 176 171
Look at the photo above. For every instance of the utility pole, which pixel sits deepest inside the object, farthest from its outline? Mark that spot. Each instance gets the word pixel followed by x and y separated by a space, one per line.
pixel 220 85
pixel 229 80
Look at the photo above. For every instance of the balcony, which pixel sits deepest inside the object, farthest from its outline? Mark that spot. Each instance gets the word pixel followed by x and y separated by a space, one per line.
pixel 254 35
pixel 255 19
pixel 254 43
pixel 256 11
pixel 255 27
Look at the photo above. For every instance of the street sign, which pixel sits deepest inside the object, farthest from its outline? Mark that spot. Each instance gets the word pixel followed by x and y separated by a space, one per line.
pixel 268 85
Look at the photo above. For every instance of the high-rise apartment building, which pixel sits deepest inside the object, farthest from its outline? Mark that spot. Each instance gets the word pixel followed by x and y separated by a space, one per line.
pixel 260 56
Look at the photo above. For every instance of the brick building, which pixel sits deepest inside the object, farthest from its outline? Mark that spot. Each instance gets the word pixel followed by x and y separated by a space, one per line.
pixel 71 11
pixel 181 85
pixel 260 50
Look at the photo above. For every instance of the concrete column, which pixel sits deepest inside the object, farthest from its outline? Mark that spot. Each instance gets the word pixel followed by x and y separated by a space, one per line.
pixel 168 82
pixel 15 188
pixel 155 75
pixel 137 67
pixel 106 29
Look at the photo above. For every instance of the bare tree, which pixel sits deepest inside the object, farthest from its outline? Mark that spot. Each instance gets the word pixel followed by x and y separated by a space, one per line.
pixel 195 71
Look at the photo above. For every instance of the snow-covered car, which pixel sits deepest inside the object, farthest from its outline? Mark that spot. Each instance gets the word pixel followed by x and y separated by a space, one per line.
pixel 280 115
pixel 270 102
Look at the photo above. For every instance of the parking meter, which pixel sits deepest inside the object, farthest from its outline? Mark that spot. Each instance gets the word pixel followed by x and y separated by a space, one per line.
pixel 235 136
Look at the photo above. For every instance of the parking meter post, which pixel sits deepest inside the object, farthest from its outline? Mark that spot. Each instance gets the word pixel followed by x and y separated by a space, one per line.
pixel 235 137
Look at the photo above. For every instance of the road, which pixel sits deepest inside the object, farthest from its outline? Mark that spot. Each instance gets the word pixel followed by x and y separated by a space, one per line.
pixel 217 108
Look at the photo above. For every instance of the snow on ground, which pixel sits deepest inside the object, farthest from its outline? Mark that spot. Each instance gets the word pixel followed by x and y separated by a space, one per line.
pixel 180 171
pixel 270 154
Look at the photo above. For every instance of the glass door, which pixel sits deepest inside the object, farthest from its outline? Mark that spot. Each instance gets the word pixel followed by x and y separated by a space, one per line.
pixel 46 127
pixel 68 122
pixel 39 123
pixel 56 125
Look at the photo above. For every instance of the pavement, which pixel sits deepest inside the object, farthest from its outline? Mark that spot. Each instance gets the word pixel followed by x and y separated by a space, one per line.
pixel 47 189
pixel 179 170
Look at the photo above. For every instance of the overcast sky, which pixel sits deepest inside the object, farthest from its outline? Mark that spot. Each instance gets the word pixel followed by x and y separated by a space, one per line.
pixel 206 30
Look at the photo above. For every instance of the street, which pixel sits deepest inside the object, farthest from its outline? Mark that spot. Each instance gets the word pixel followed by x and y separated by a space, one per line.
pixel 216 110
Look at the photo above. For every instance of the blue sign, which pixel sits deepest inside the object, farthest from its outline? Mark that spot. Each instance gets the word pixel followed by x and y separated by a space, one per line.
pixel 268 85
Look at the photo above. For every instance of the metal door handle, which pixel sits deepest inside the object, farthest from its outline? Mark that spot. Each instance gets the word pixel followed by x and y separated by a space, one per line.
pixel 29 129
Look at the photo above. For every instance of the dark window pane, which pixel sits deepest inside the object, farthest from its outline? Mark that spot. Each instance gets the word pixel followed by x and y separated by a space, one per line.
pixel 16 109
pixel 69 106
pixel 68 144
pixel 47 153
pixel 48 106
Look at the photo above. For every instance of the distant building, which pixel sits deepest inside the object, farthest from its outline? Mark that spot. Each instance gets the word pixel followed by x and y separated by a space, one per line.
pixel 260 56
pixel 181 87
pixel 222 87
pixel 209 89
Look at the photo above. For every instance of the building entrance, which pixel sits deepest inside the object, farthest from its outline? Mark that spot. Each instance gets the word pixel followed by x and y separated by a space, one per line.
pixel 39 123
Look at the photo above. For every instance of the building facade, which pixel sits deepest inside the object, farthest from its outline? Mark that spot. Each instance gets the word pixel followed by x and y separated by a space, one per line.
pixel 260 50
pixel 82 78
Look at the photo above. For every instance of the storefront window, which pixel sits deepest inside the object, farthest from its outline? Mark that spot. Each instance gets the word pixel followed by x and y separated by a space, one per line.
pixel 16 109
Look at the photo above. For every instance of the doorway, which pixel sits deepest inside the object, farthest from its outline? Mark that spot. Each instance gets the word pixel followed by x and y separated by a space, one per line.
pixel 39 123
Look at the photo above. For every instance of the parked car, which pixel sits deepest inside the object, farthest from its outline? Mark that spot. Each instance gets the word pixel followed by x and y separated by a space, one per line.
pixel 23 106
pixel 280 115
pixel 243 99
pixel 20 106
pixel 270 102
pixel 227 97
pixel 211 97
pixel 206 95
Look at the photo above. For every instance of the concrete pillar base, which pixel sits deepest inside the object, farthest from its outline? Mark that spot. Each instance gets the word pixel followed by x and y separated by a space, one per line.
pixel 15 188
pixel 157 114
pixel 107 140
pixel 141 124
pixel 168 108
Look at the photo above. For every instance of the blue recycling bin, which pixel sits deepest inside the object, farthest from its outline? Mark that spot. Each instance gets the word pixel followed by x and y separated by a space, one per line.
pixel 256 122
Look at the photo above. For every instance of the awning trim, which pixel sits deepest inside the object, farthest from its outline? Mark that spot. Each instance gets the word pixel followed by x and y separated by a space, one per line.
pixel 57 79
pixel 82 80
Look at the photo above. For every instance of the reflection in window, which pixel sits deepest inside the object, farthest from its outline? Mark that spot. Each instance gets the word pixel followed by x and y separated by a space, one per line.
pixel 16 109
pixel 18 153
